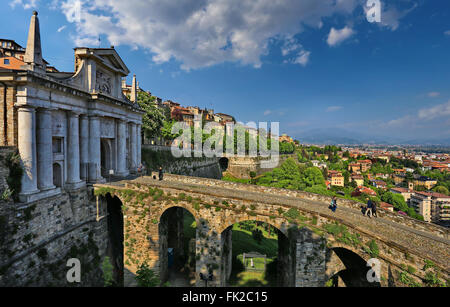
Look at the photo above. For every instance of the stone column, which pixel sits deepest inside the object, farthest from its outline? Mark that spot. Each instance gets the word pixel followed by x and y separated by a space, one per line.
pixel 27 150
pixel 139 144
pixel 73 151
pixel 94 149
pixel 121 148
pixel 44 150
pixel 208 256
pixel 310 262
pixel 84 146
pixel 133 153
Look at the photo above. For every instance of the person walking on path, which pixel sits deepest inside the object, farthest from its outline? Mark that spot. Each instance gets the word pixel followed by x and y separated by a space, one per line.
pixel 160 173
pixel 374 209
pixel 369 208
pixel 333 205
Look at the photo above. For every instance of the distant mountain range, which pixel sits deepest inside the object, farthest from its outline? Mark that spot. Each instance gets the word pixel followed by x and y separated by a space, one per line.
pixel 342 136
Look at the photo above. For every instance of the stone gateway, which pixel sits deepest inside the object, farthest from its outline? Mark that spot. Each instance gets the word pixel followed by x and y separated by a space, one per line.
pixel 60 132
pixel 72 128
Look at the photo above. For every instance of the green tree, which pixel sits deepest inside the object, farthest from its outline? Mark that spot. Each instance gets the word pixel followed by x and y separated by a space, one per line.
pixel 396 200
pixel 313 176
pixel 154 117
pixel 166 130
pixel 441 189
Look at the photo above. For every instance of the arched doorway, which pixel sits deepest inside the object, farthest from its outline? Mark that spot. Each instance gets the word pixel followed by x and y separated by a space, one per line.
pixel 177 235
pixel 106 157
pixel 57 175
pixel 355 272
pixel 254 255
pixel 115 238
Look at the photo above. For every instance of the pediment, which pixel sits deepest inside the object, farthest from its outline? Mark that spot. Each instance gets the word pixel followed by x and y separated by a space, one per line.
pixel 109 60
pixel 107 57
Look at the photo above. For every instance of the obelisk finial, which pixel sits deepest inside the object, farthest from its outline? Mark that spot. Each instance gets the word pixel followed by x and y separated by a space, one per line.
pixel 33 54
pixel 133 96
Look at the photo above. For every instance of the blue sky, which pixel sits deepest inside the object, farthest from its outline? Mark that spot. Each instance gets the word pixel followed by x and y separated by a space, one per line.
pixel 305 63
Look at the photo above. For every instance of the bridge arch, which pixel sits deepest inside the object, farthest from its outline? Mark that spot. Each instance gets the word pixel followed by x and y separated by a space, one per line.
pixel 115 227
pixel 177 241
pixel 279 272
pixel 189 209
pixel 280 224
pixel 353 269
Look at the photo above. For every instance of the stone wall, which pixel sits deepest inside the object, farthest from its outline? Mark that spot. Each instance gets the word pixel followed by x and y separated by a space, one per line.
pixel 310 261
pixel 4 170
pixel 40 237
pixel 240 167
pixel 155 156
pixel 8 128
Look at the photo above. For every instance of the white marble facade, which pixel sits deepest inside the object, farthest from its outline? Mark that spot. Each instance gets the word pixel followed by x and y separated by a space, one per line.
pixel 74 127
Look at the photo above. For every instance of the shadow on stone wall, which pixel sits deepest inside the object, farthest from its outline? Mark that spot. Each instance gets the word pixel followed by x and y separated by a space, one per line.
pixel 114 248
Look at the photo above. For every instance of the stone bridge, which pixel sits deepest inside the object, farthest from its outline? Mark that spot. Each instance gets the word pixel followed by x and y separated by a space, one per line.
pixel 316 247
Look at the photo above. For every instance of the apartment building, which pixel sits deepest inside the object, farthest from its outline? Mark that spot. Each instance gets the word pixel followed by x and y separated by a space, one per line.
pixel 434 207
pixel 336 178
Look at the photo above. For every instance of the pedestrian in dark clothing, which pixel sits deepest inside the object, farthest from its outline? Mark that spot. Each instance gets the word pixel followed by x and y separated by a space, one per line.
pixel 160 173
pixel 369 208
pixel 333 205
pixel 374 209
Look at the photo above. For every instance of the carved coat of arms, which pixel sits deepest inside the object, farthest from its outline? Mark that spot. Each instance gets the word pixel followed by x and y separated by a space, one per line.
pixel 103 83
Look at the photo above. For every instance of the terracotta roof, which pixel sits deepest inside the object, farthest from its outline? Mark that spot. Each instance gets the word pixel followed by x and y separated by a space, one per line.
pixel 439 195
pixel 402 190
pixel 385 205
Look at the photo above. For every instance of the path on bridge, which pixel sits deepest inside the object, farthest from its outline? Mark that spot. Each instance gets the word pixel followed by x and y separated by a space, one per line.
pixel 425 244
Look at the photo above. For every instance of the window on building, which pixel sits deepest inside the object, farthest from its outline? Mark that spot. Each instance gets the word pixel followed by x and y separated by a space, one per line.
pixel 6 61
pixel 57 145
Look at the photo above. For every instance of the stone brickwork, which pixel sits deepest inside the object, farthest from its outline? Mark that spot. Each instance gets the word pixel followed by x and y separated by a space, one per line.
pixel 202 167
pixel 240 167
pixel 309 254
pixel 8 116
pixel 306 196
pixel 40 237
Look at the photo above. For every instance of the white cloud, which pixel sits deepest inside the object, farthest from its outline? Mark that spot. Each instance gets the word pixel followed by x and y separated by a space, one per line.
pixel 202 33
pixel 60 29
pixel 433 94
pixel 335 37
pixel 447 32
pixel 333 108
pixel 26 4
pixel 267 112
pixel 303 58
pixel 441 110
pixel 292 46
